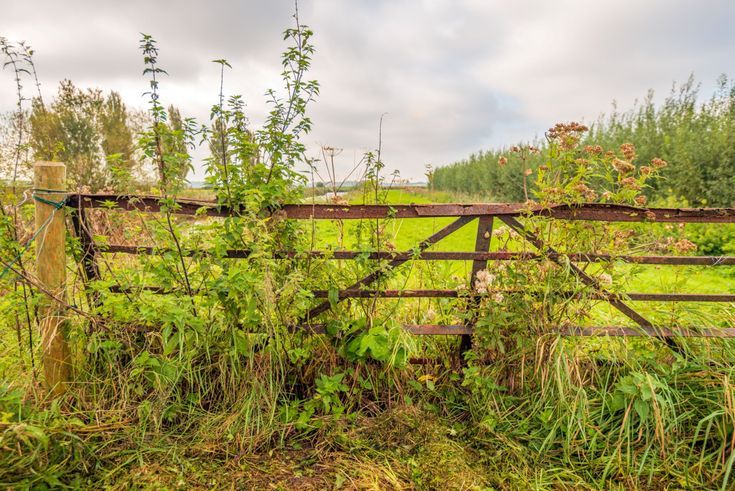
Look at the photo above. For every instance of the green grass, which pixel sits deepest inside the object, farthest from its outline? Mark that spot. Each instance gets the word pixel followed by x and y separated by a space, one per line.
pixel 405 234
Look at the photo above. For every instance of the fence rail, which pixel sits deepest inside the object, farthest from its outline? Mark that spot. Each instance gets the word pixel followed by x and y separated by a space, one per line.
pixel 486 214
pixel 590 211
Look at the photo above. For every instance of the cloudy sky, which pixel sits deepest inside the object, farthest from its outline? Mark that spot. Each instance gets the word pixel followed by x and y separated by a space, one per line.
pixel 452 76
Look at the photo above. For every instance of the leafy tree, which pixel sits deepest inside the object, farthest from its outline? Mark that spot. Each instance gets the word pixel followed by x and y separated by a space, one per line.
pixel 86 130
pixel 696 138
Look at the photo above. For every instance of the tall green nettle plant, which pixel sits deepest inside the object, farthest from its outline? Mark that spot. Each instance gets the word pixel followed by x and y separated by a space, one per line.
pixel 165 144
pixel 279 139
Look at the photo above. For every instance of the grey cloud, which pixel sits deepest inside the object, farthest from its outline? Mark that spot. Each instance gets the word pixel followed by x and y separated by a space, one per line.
pixel 453 76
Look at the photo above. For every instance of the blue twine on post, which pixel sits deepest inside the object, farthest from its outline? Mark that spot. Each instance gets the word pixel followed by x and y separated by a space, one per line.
pixel 57 205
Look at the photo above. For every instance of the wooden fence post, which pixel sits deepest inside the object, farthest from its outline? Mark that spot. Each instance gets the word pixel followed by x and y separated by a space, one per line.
pixel 49 178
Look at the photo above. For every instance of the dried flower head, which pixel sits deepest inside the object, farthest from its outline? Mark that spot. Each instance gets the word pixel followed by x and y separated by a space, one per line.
pixel 646 170
pixel 622 166
pixel 628 151
pixel 554 193
pixel 502 160
pixel 339 200
pixel 566 135
pixel 641 200
pixel 593 149
pixel 483 280
pixel 485 276
pixel 631 183
pixel 659 163
pixel 684 246
pixel 586 192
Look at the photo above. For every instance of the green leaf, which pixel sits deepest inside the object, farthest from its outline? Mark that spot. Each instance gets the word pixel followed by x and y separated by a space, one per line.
pixel 333 296
pixel 642 408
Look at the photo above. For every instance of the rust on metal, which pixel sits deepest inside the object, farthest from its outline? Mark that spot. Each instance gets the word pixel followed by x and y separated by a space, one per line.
pixel 588 211
pixel 613 300
pixel 482 244
pixel 570 331
pixel 89 249
pixel 584 277
pixel 443 256
pixel 443 293
pixel 691 332
pixel 420 329
pixel 361 293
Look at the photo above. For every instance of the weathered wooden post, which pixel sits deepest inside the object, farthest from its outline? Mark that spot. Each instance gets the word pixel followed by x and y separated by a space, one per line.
pixel 50 186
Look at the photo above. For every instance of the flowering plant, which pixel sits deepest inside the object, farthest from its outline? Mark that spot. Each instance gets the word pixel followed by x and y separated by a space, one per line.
pixel 522 303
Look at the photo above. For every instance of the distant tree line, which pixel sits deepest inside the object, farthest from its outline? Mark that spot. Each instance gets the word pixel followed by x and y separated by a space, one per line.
pixel 696 138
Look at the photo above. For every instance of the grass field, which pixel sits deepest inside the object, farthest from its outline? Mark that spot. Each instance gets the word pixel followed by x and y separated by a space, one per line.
pixel 416 427
pixel 404 234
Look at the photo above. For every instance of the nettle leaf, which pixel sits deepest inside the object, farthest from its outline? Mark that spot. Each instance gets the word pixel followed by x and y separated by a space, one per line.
pixel 240 342
pixel 172 340
pixel 400 358
pixel 333 296
pixel 642 408
pixel 333 327
pixel 376 342
pixel 617 401
pixel 646 392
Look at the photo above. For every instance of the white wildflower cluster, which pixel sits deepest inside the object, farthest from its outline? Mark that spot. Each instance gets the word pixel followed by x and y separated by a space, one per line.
pixel 503 231
pixel 605 279
pixel 483 281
